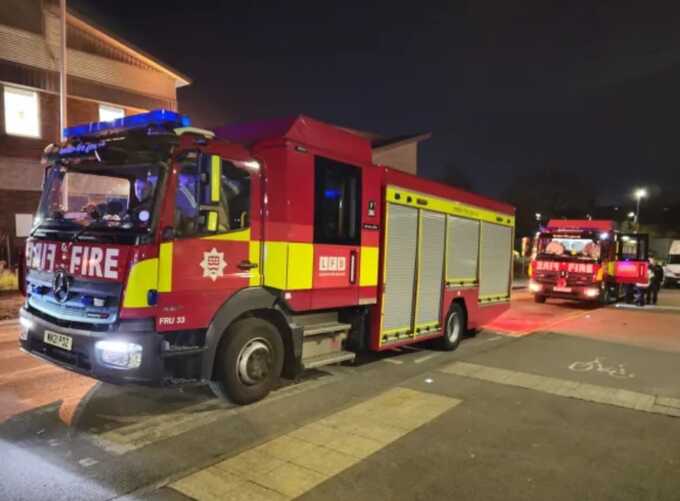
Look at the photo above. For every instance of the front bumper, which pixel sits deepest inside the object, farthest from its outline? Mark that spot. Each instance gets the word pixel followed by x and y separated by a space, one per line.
pixel 578 292
pixel 84 359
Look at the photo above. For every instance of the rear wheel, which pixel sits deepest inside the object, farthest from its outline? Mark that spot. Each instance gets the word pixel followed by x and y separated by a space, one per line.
pixel 249 361
pixel 538 298
pixel 454 328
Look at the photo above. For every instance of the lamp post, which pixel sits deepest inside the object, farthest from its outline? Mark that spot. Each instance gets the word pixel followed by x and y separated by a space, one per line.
pixel 640 193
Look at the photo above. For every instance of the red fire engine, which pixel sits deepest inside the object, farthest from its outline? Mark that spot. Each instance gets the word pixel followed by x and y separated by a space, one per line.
pixel 586 260
pixel 167 254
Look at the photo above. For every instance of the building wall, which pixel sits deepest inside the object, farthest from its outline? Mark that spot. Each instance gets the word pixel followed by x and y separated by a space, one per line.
pixel 403 158
pixel 99 71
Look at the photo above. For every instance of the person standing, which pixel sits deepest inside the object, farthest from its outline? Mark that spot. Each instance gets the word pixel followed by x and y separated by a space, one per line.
pixel 656 279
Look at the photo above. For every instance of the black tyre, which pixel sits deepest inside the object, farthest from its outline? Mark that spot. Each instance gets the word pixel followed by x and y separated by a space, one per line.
pixel 538 298
pixel 248 361
pixel 454 328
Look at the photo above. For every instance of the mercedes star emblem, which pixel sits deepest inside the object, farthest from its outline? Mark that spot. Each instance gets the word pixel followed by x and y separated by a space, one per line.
pixel 60 286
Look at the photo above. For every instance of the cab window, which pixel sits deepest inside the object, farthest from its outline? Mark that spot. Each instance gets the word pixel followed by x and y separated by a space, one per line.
pixel 337 202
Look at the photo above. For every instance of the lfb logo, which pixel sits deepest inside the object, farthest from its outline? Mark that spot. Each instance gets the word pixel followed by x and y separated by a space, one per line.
pixel 213 264
pixel 332 263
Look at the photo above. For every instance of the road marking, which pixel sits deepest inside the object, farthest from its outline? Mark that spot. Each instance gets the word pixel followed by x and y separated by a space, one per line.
pixel 293 464
pixel 618 372
pixel 567 388
pixel 153 429
pixel 426 357
pixel 87 462
pixel 393 361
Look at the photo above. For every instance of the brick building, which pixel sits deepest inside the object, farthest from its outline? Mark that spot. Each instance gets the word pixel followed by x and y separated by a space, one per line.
pixel 107 78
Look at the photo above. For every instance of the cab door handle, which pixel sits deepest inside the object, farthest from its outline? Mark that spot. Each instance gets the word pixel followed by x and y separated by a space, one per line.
pixel 247 265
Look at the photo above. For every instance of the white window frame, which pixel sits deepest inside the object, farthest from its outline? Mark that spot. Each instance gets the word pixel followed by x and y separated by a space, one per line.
pixel 8 90
pixel 119 111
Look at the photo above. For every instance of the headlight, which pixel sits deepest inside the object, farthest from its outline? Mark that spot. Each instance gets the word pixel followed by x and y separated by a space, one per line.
pixel 535 287
pixel 26 325
pixel 592 292
pixel 120 354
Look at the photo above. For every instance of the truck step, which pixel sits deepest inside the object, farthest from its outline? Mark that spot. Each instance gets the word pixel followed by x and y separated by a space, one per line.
pixel 328 359
pixel 325 328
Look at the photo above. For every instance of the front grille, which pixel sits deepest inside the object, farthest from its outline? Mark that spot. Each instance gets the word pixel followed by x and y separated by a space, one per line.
pixel 78 310
pixel 69 324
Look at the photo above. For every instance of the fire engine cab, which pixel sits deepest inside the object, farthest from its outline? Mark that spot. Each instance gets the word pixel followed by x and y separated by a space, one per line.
pixel 587 260
pixel 167 254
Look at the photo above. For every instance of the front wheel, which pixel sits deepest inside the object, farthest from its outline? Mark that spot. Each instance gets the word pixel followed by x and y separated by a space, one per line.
pixel 248 361
pixel 538 298
pixel 454 329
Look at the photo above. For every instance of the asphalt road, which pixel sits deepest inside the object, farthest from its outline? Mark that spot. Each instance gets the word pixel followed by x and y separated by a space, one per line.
pixel 567 402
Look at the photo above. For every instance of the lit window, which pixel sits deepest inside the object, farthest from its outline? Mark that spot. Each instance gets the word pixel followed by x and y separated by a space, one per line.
pixel 22 112
pixel 108 113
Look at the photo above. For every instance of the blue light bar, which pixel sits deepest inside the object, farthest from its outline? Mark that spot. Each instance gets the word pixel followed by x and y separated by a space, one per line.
pixel 154 117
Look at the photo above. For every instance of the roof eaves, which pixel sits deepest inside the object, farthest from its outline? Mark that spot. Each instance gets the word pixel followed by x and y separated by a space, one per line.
pixel 80 21
pixel 388 144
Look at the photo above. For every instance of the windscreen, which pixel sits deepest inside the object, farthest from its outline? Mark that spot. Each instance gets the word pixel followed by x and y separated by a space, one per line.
pixel 674 259
pixel 568 246
pixel 102 198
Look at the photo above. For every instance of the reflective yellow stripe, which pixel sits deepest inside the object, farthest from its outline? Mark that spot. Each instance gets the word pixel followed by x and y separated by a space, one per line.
pixel 234 236
pixel 275 264
pixel 215 174
pixel 143 277
pixel 212 220
pixel 445 206
pixel 254 257
pixel 288 265
pixel 368 267
pixel 300 266
pixel 165 267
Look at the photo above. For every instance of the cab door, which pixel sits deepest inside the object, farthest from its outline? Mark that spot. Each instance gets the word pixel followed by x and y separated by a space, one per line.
pixel 209 252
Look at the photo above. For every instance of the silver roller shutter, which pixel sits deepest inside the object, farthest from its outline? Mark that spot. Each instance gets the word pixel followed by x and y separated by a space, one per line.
pixel 400 266
pixel 495 260
pixel 431 271
pixel 463 249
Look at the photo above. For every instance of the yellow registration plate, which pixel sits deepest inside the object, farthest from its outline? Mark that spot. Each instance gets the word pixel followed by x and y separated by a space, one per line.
pixel 58 340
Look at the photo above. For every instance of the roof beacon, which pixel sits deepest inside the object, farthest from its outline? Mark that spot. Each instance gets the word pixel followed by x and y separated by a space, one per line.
pixel 154 117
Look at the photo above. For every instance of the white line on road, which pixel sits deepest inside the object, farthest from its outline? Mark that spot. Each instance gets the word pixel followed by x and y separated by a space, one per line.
pixel 568 388
pixel 87 462
pixel 426 357
pixel 393 361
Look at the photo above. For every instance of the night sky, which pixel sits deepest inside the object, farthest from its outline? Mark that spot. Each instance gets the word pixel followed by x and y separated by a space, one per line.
pixel 506 88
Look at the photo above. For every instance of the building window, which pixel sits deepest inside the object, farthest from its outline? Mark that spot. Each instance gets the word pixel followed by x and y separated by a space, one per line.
pixel 108 113
pixel 337 212
pixel 22 112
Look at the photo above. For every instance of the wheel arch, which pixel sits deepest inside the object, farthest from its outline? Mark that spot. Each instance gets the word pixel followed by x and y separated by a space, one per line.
pixel 461 302
pixel 252 302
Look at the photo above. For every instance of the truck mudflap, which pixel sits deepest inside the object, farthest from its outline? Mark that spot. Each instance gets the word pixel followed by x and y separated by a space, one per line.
pixel 121 357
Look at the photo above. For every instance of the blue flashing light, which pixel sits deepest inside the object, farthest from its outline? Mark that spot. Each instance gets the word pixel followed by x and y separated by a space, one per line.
pixel 155 117
pixel 331 194
pixel 87 300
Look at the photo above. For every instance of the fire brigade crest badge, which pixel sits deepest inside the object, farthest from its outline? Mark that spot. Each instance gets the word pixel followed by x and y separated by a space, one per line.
pixel 213 264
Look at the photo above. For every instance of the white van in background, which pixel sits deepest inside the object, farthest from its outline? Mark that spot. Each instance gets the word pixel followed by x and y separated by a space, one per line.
pixel 671 271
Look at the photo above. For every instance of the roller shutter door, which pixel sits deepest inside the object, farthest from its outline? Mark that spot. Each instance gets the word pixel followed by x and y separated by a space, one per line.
pixel 431 269
pixel 495 260
pixel 400 268
pixel 463 250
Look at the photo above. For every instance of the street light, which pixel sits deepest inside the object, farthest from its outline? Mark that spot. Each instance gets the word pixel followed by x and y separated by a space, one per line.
pixel 640 193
